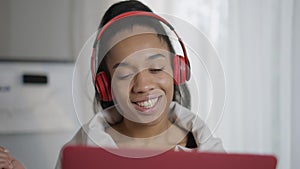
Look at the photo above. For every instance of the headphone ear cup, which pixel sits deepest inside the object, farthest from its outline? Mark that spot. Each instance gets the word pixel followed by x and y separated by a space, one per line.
pixel 103 87
pixel 181 70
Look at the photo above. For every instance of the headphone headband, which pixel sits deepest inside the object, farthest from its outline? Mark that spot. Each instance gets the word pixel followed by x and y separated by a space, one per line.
pixel 129 14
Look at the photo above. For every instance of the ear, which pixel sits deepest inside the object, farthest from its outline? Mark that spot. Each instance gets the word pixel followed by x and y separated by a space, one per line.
pixel 181 70
pixel 103 86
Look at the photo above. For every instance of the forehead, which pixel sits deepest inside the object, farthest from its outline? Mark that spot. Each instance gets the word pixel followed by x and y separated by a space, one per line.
pixel 136 43
pixel 132 31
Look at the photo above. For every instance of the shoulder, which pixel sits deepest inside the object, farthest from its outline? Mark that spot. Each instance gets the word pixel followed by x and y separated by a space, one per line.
pixel 191 122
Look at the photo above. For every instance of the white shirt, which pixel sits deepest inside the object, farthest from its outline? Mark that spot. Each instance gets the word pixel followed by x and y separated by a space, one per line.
pixel 93 133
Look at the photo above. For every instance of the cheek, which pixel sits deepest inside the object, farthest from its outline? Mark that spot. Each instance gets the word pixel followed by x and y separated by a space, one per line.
pixel 120 90
pixel 167 83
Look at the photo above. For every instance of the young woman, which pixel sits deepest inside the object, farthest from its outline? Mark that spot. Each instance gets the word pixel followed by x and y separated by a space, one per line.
pixel 141 98
pixel 135 71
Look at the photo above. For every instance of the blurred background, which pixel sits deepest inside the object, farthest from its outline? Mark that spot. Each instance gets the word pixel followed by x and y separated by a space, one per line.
pixel 257 44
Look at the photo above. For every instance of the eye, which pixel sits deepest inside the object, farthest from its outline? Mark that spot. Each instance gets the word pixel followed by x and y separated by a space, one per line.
pixel 156 70
pixel 123 74
pixel 124 77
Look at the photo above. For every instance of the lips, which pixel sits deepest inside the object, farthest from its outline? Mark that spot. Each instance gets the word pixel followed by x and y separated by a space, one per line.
pixel 146 104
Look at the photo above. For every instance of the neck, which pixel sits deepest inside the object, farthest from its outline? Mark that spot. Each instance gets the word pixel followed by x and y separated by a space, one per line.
pixel 140 130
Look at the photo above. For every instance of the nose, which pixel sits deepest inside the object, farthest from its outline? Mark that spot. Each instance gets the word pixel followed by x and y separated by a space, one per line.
pixel 143 82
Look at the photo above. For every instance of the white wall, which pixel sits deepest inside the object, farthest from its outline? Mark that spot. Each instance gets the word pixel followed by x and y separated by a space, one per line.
pixel 295 163
pixel 36 119
pixel 36 30
pixel 38 146
pixel 36 150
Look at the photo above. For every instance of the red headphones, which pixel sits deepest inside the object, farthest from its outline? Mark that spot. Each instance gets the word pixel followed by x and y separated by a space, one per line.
pixel 181 72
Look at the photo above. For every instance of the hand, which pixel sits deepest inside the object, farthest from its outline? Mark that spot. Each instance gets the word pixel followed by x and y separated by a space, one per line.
pixel 7 161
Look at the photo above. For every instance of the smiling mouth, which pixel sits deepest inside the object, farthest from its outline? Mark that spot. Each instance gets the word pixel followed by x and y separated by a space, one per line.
pixel 148 103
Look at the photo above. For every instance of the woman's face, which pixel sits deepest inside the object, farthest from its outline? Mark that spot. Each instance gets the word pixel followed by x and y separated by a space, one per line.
pixel 141 74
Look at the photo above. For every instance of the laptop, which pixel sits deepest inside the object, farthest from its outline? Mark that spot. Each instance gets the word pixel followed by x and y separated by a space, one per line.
pixel 79 157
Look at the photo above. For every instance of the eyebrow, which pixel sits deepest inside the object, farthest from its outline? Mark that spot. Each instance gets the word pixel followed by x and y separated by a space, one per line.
pixel 120 64
pixel 155 56
pixel 152 57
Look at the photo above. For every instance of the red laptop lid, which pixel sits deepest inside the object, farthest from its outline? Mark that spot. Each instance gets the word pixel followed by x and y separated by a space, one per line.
pixel 78 157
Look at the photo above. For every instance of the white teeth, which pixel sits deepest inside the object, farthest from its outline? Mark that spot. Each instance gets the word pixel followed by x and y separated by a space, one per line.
pixel 147 104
